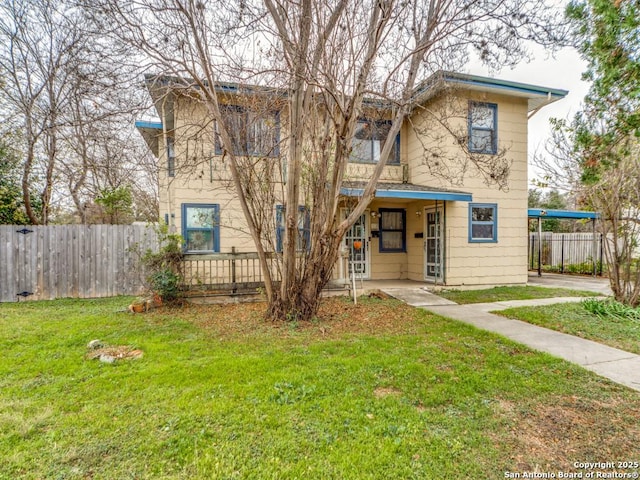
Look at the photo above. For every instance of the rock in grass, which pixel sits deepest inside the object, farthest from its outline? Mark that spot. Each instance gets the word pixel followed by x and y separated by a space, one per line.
pixel 95 344
pixel 104 358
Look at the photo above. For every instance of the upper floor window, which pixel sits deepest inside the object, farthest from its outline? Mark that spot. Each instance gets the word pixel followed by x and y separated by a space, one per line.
pixel 483 222
pixel 483 121
pixel 304 234
pixel 393 230
pixel 252 133
pixel 369 139
pixel 171 157
pixel 201 227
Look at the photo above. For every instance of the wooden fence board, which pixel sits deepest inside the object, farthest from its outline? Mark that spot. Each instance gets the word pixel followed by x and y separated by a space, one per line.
pixel 80 261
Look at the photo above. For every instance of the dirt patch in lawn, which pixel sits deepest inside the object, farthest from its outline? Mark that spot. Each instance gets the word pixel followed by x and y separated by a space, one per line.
pixel 557 433
pixel 121 352
pixel 337 316
pixel 382 392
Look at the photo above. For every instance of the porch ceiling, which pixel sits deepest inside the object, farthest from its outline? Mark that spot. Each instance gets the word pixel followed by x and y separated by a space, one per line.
pixel 405 191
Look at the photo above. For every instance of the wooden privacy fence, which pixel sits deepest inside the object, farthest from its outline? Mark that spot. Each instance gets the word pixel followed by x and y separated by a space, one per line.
pixel 567 252
pixel 81 261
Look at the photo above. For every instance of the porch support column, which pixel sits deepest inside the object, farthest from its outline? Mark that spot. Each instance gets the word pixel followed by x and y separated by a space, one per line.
pixel 594 248
pixel 539 246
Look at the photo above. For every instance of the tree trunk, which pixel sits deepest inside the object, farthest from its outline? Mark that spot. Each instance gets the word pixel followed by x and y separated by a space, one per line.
pixel 305 296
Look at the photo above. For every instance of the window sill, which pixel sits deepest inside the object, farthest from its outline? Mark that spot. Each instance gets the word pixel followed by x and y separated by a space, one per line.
pixel 364 162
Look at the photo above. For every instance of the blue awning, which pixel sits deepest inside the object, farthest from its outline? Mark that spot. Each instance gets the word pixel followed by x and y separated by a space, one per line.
pixel 149 124
pixel 406 191
pixel 544 213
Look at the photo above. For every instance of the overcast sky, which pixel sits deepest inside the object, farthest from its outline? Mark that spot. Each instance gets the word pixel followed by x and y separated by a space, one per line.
pixel 563 72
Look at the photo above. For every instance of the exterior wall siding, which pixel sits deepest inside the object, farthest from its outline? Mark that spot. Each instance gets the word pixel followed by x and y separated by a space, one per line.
pixel 203 177
pixel 503 262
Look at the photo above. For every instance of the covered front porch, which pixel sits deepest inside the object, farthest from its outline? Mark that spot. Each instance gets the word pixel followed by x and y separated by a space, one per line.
pixel 401 235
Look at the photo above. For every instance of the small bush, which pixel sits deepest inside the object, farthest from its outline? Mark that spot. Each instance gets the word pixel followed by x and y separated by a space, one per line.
pixel 164 266
pixel 166 284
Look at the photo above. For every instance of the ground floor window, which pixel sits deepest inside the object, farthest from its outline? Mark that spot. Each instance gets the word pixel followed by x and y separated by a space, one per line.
pixel 393 230
pixel 304 233
pixel 483 222
pixel 201 227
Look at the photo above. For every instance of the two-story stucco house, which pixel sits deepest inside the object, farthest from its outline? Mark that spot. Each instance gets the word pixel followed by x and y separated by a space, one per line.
pixel 434 218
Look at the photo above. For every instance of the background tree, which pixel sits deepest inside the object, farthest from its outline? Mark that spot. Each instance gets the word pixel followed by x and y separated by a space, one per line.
pixel 324 62
pixel 551 200
pixel 11 206
pixel 69 93
pixel 117 204
pixel 598 153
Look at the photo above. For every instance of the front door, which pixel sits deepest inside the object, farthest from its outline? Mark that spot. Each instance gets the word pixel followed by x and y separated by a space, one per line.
pixel 433 245
pixel 356 241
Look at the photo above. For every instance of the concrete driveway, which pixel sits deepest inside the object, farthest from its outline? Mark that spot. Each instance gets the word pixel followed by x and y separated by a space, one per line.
pixel 576 282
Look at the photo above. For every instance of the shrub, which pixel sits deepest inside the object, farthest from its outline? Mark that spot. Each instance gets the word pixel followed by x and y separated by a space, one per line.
pixel 611 309
pixel 164 267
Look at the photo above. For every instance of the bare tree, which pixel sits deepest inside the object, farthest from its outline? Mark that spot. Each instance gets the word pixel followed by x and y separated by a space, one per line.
pixel 327 63
pixel 69 94
pixel 614 194
pixel 596 154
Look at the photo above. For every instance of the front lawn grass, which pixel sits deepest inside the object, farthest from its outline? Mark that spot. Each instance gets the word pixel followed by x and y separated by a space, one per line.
pixel 501 294
pixel 574 319
pixel 378 390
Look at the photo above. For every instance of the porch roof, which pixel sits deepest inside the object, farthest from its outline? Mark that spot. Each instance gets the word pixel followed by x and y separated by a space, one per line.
pixel 150 131
pixel 543 213
pixel 408 191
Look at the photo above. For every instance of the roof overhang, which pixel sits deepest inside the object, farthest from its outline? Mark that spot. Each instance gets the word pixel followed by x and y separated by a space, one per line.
pixel 543 213
pixel 151 132
pixel 406 191
pixel 537 96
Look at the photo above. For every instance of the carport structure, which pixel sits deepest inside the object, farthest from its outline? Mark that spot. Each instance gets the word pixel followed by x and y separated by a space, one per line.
pixel 542 214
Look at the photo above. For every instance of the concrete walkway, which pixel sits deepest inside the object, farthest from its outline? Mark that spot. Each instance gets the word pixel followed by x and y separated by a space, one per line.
pixel 617 365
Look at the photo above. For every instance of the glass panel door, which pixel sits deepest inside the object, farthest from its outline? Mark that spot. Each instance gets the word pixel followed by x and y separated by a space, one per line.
pixel 356 241
pixel 433 245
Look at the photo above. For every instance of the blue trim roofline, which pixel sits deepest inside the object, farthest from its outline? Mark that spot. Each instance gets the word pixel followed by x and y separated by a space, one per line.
pixel 503 84
pixel 410 194
pixel 544 213
pixel 148 124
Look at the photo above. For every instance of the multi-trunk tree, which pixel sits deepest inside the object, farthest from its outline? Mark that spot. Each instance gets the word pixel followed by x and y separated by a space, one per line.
pixel 326 64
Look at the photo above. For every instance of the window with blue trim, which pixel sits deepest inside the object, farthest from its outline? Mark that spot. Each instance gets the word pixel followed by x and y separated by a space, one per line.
pixel 201 227
pixel 393 230
pixel 483 222
pixel 483 121
pixel 369 139
pixel 252 133
pixel 304 232
pixel 171 157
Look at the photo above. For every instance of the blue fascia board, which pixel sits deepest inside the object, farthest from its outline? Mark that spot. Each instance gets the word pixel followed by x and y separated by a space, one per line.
pixel 537 213
pixel 410 194
pixel 505 85
pixel 148 124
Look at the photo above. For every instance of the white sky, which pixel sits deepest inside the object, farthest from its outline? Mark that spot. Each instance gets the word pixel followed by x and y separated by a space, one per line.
pixel 563 72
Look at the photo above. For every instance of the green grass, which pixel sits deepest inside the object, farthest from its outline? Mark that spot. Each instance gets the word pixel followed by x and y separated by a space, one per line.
pixel 425 397
pixel 501 294
pixel 574 319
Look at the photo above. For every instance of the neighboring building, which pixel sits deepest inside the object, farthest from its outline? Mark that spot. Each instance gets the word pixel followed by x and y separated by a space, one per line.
pixel 451 229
